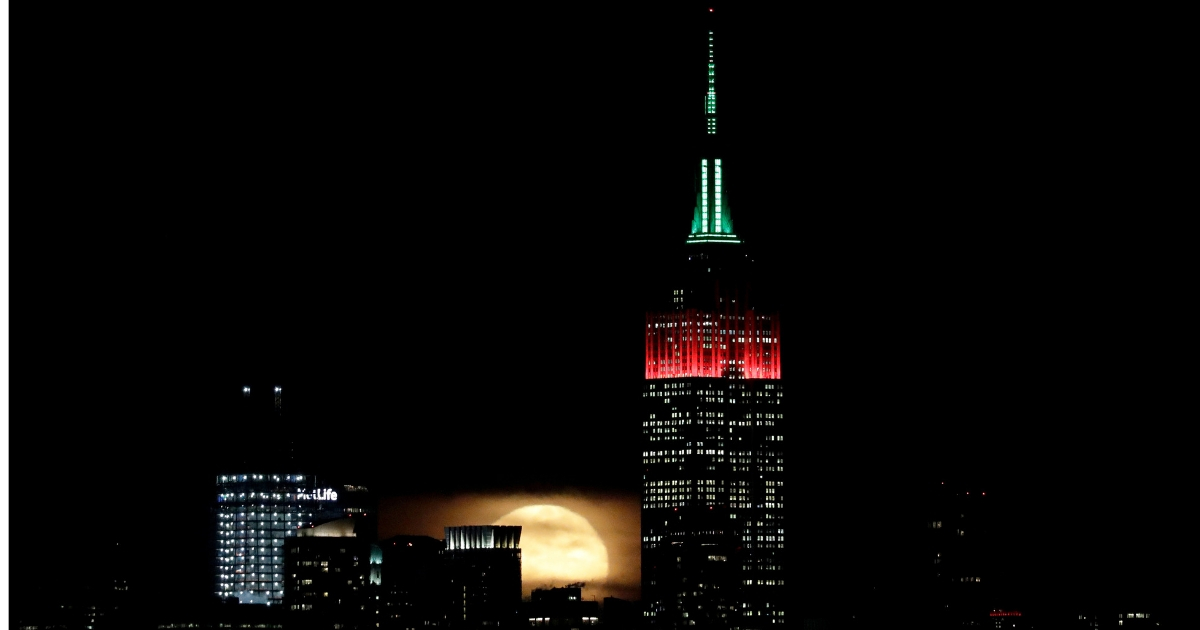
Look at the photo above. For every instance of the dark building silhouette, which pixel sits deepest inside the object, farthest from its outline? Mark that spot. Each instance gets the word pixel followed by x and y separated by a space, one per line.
pixel 332 578
pixel 620 613
pixel 101 601
pixel 214 615
pixel 414 582
pixel 712 512
pixel 562 607
pixel 961 562
pixel 483 576
pixel 80 614
pixel 706 571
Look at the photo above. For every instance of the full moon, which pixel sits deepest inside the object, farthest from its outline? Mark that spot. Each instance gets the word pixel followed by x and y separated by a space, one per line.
pixel 558 546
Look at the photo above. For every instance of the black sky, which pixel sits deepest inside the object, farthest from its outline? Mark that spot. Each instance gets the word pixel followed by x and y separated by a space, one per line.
pixel 433 221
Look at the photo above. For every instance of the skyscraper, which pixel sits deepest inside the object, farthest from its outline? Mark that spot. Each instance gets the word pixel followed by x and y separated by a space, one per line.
pixel 960 580
pixel 413 582
pixel 255 514
pixel 712 433
pixel 261 499
pixel 483 576
pixel 332 578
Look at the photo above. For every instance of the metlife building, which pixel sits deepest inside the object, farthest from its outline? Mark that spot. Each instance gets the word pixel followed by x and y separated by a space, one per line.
pixel 256 512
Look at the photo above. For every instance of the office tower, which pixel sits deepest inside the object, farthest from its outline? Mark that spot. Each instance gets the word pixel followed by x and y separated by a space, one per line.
pixel 960 555
pixel 712 433
pixel 412 582
pixel 332 577
pixel 255 513
pixel 261 499
pixel 483 571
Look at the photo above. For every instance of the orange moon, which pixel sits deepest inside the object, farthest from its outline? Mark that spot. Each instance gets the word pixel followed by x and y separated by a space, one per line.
pixel 558 547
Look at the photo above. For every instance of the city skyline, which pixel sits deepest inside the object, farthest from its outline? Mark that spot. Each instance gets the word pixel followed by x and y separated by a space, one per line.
pixel 958 329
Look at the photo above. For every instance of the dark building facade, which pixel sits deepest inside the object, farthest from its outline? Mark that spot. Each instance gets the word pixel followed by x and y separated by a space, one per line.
pixel 959 581
pixel 483 576
pixel 103 601
pixel 620 613
pixel 712 509
pixel 413 580
pixel 332 578
pixel 562 607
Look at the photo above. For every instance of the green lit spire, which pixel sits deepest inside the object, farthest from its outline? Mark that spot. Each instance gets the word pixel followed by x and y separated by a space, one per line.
pixel 711 222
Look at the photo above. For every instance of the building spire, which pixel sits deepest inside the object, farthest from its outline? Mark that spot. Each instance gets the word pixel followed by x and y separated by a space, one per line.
pixel 711 221
pixel 710 98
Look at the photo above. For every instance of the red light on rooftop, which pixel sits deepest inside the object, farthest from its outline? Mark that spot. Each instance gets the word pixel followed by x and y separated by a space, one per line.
pixel 710 9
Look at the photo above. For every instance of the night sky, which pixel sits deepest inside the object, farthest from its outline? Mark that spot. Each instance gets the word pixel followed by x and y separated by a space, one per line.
pixel 436 222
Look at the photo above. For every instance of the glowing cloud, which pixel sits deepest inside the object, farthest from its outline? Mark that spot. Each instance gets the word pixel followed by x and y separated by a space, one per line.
pixel 558 546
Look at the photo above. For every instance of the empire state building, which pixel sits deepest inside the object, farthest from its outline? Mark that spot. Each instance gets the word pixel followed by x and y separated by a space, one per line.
pixel 712 430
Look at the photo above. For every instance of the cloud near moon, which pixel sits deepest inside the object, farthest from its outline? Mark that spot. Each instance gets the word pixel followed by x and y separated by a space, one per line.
pixel 558 546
